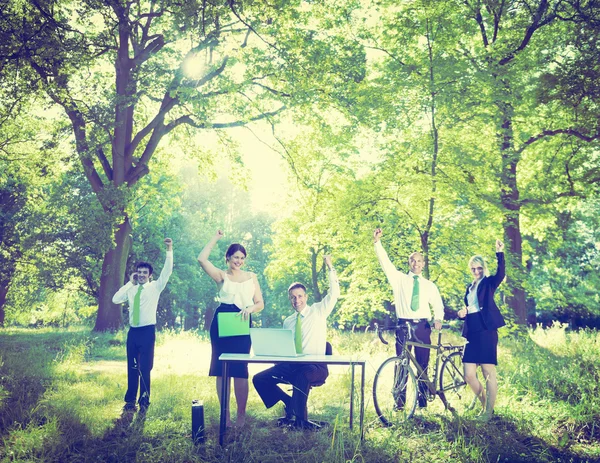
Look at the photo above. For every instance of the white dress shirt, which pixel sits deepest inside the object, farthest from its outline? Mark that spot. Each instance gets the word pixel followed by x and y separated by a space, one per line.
pixel 402 287
pixel 472 300
pixel 314 319
pixel 148 297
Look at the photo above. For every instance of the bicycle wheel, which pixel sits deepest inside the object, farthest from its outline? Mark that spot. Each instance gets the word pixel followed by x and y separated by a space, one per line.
pixel 394 392
pixel 453 384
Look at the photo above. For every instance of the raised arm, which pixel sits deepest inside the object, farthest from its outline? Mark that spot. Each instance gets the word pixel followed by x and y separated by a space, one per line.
pixel 501 270
pixel 168 267
pixel 385 262
pixel 212 271
pixel 334 287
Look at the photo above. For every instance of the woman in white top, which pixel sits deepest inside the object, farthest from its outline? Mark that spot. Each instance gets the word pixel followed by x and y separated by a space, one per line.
pixel 239 292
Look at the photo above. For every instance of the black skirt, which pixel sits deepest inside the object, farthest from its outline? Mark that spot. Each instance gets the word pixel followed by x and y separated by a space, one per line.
pixel 482 345
pixel 227 345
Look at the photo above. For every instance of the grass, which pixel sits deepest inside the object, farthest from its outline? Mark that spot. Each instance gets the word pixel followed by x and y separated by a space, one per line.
pixel 61 394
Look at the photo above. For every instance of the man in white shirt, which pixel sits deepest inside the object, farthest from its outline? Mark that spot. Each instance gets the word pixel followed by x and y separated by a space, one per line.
pixel 142 295
pixel 309 326
pixel 413 296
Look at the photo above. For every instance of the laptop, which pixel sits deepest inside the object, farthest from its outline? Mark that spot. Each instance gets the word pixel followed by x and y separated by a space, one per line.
pixel 273 342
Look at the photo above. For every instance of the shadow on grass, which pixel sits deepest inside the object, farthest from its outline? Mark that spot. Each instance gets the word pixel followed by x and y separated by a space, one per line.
pixel 501 439
pixel 123 440
pixel 23 395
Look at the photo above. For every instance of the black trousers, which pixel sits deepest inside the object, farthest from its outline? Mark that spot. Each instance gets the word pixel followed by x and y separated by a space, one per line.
pixel 299 375
pixel 422 330
pixel 140 360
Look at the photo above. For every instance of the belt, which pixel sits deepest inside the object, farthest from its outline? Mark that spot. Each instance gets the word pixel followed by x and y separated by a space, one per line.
pixel 413 320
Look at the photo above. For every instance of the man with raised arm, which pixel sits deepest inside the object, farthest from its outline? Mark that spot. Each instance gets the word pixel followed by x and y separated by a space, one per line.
pixel 142 295
pixel 309 326
pixel 413 297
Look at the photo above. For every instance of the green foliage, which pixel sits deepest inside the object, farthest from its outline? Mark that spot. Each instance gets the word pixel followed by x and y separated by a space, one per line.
pixel 444 123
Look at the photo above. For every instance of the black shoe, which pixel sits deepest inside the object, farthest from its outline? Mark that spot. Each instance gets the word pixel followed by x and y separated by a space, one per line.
pixel 129 407
pixel 286 420
pixel 144 404
pixel 306 425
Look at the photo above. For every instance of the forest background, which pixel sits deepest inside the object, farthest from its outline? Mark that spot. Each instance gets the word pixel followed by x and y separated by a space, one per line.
pixel 297 127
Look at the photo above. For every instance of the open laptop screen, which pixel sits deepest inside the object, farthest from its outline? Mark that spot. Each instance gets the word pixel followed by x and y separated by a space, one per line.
pixel 273 341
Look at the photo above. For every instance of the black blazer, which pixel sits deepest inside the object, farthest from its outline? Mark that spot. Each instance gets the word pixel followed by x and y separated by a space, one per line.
pixel 490 314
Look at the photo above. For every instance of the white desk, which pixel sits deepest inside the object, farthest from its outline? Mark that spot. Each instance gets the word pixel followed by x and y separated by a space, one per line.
pixel 327 359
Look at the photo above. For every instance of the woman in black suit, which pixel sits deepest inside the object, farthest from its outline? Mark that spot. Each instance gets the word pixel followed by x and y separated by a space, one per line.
pixel 483 318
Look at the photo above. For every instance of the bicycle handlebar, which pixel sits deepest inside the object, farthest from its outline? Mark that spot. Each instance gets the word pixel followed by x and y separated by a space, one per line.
pixel 380 334
pixel 411 333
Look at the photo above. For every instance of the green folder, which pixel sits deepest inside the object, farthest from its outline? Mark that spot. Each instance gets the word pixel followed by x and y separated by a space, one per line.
pixel 232 324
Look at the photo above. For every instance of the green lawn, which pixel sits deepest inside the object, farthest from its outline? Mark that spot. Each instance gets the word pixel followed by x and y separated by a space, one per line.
pixel 61 396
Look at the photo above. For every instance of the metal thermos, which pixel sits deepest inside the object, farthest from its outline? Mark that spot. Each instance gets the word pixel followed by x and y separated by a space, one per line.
pixel 197 421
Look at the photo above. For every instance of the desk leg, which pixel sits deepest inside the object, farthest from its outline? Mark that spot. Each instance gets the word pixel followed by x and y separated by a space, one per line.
pixel 362 402
pixel 224 402
pixel 352 397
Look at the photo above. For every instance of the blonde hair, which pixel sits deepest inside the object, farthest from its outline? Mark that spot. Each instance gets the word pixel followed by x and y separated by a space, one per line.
pixel 479 261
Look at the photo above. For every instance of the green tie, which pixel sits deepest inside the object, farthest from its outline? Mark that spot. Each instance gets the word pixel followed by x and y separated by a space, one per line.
pixel 136 306
pixel 414 301
pixel 298 338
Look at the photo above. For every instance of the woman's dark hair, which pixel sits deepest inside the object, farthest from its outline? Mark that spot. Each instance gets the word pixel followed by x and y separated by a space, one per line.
pixel 233 248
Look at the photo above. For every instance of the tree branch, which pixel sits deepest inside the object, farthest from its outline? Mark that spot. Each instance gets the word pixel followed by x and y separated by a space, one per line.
pixel 63 98
pixel 208 77
pixel 269 89
pixel 219 125
pixel 232 7
pixel 152 47
pixel 551 133
pixel 104 162
pixel 536 23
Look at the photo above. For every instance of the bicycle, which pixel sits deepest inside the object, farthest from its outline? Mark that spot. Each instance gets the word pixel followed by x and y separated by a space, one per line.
pixel 395 387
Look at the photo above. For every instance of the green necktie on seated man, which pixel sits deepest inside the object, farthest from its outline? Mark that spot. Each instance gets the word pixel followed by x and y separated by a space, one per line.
pixel 414 301
pixel 298 336
pixel 136 306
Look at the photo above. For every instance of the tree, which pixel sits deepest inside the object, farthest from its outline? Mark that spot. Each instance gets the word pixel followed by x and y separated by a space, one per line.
pixel 118 70
pixel 512 36
pixel 484 117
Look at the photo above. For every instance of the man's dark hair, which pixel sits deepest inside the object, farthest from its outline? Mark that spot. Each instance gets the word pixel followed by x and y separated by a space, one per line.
pixel 233 248
pixel 296 285
pixel 144 265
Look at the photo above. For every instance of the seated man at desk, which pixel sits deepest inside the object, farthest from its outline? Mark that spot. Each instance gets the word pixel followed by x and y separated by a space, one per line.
pixel 309 325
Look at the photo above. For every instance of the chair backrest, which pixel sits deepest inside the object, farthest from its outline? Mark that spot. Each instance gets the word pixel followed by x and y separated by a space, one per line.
pixel 328 351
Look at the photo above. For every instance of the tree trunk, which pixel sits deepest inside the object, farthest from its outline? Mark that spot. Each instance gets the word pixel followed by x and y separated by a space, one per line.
pixel 512 212
pixel 5 280
pixel 112 278
pixel 3 293
pixel 517 297
pixel 208 317
pixel 317 296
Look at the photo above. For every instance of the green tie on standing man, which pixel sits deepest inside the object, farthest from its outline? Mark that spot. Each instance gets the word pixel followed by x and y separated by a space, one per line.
pixel 414 298
pixel 142 294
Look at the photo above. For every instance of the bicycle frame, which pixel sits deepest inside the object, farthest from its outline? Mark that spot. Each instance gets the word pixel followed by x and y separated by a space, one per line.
pixel 421 374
